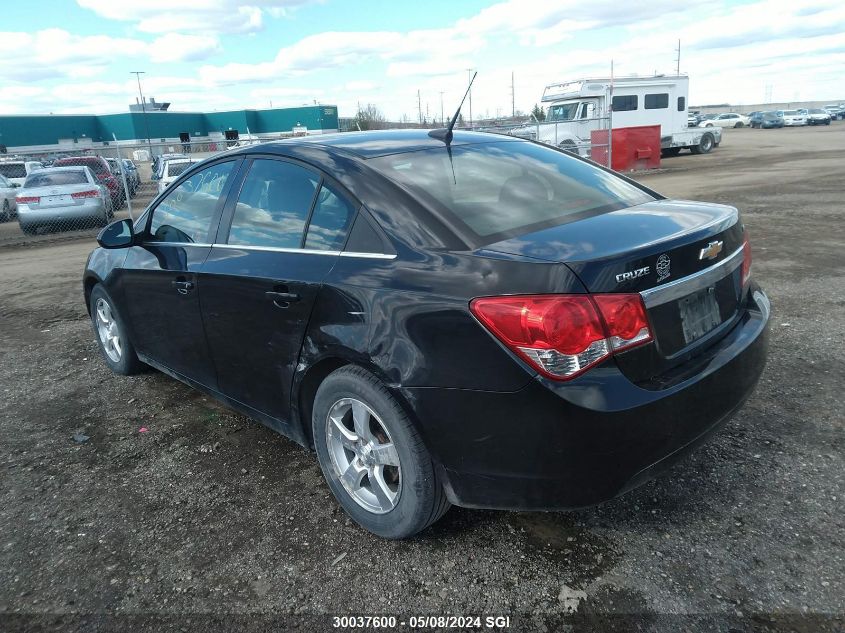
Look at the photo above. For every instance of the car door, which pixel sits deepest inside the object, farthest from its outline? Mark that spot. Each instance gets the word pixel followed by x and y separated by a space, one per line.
pixel 160 276
pixel 277 242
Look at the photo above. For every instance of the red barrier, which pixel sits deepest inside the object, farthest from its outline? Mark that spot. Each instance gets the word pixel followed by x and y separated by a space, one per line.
pixel 633 147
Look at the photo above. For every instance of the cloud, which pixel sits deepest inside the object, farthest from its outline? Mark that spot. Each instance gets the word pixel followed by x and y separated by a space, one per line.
pixel 175 47
pixel 210 16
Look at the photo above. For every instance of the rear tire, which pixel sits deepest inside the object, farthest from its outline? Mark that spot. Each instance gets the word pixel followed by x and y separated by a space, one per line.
pixel 739 124
pixel 704 145
pixel 111 334
pixel 392 492
pixel 670 151
pixel 6 213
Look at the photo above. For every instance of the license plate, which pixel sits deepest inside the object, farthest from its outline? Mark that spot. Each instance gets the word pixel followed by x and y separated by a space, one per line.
pixel 699 314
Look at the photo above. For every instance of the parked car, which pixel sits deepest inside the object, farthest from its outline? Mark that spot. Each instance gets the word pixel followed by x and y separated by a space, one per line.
pixel 766 120
pixel 17 170
pixel 101 170
pixel 792 118
pixel 64 197
pixel 132 173
pixel 728 119
pixel 816 116
pixel 490 322
pixel 158 163
pixel 171 169
pixel 8 191
pixel 835 111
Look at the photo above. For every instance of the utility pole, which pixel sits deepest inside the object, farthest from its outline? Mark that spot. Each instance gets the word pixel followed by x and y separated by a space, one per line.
pixel 419 107
pixel 442 120
pixel 469 81
pixel 513 98
pixel 138 74
pixel 678 60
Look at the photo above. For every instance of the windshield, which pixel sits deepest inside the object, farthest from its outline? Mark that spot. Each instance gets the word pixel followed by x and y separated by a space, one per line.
pixel 817 111
pixel 55 178
pixel 13 170
pixel 562 111
pixel 503 189
pixel 791 112
pixel 174 169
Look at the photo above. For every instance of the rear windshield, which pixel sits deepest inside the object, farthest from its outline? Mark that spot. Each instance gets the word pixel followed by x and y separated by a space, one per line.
pixel 55 178
pixel 174 169
pixel 13 170
pixel 97 166
pixel 499 190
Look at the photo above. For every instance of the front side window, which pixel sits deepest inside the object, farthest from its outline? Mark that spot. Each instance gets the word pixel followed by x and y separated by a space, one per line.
pixel 329 222
pixel 507 188
pixel 186 212
pixel 624 103
pixel 562 112
pixel 273 205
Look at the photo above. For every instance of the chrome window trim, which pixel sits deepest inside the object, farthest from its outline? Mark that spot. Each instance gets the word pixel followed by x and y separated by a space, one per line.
pixel 306 251
pixel 154 243
pixel 691 283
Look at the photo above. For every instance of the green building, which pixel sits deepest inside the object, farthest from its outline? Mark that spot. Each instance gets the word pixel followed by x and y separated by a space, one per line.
pixel 76 131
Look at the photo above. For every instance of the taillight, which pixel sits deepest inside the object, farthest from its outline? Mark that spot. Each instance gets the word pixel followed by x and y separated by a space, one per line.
pixel 564 335
pixel 746 260
pixel 28 199
pixel 85 194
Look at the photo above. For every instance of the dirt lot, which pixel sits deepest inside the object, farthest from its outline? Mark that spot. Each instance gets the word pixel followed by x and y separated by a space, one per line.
pixel 209 513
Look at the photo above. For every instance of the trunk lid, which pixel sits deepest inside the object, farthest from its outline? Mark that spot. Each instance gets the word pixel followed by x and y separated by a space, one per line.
pixel 683 257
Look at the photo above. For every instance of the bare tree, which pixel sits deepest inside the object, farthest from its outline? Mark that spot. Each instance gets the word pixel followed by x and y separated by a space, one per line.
pixel 369 117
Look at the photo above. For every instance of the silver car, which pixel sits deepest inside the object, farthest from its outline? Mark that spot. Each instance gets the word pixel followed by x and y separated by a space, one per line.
pixel 64 198
pixel 8 191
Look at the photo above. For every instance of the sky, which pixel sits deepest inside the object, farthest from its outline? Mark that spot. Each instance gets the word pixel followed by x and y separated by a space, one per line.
pixel 66 56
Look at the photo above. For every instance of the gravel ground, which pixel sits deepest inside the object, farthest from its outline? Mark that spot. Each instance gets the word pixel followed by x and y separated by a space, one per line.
pixel 138 503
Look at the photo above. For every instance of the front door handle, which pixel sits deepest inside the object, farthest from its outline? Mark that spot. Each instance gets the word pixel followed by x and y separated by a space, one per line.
pixel 182 286
pixel 281 299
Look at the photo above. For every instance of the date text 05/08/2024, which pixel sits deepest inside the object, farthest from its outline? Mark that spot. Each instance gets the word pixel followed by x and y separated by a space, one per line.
pixel 422 622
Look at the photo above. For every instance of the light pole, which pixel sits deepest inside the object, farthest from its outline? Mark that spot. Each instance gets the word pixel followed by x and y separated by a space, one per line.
pixel 469 80
pixel 442 120
pixel 138 74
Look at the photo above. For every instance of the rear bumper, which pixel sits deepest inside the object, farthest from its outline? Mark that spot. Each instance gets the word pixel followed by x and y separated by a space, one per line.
pixel 89 210
pixel 566 445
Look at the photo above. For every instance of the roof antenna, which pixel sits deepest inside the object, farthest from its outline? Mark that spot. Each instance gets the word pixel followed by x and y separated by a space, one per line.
pixel 445 133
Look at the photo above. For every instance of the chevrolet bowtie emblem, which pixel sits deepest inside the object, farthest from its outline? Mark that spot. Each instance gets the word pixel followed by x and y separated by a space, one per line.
pixel 711 250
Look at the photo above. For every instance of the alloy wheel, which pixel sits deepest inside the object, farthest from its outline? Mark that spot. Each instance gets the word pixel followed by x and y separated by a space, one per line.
pixel 363 455
pixel 108 331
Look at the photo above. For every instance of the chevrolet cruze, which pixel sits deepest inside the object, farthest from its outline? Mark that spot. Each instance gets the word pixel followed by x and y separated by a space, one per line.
pixel 475 320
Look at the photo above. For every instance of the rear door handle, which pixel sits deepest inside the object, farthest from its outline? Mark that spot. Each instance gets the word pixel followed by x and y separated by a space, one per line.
pixel 281 299
pixel 182 287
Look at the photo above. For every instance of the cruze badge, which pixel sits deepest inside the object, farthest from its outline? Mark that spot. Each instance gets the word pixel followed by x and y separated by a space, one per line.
pixel 663 270
pixel 711 250
pixel 633 274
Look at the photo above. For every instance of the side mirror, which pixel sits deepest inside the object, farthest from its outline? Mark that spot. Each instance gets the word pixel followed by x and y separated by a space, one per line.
pixel 117 235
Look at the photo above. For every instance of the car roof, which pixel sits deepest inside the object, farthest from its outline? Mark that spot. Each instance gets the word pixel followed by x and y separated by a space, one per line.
pixel 378 142
pixel 65 168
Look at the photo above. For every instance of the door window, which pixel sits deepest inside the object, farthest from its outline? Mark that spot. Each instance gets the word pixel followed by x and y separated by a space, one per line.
pixel 623 103
pixel 186 213
pixel 273 205
pixel 329 222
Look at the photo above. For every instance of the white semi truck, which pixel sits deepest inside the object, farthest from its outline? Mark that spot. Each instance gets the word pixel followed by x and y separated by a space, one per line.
pixel 576 108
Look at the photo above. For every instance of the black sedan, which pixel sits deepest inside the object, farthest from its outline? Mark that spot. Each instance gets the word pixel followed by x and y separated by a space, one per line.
pixel 487 322
pixel 766 120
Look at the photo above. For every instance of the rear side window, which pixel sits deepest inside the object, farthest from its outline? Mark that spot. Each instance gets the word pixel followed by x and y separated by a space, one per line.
pixel 186 212
pixel 176 169
pixel 56 178
pixel 656 101
pixel 682 104
pixel 625 103
pixel 13 170
pixel 273 206
pixel 329 221
pixel 502 189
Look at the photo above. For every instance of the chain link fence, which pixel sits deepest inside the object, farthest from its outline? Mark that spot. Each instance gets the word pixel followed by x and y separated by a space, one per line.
pixel 58 194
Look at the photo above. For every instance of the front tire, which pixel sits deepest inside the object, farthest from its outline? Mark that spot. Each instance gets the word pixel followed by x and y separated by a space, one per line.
pixel 373 458
pixel 6 214
pixel 111 334
pixel 739 124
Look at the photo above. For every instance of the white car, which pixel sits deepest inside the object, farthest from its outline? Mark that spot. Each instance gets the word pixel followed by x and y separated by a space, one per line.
pixel 728 119
pixel 816 116
pixel 8 191
pixel 17 170
pixel 793 118
pixel 171 170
